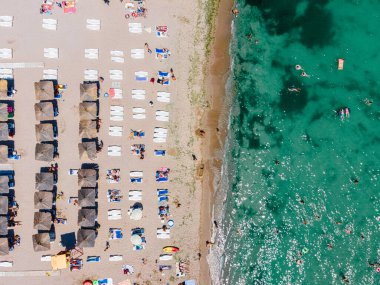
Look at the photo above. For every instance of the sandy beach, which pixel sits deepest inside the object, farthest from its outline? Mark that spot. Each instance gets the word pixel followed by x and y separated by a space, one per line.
pixel 28 39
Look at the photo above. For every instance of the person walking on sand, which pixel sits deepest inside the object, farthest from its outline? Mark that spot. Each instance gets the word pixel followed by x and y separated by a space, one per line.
pixel 107 246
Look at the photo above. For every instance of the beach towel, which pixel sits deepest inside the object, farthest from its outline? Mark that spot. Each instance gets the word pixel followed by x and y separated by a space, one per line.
pixel 136 180
pixel 107 281
pixel 141 76
pixel 115 233
pixel 161 31
pixel 91 259
pixel 116 93
pixel 159 152
pixel 69 7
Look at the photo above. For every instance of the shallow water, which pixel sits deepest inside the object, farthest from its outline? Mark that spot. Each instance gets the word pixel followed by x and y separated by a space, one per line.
pixel 279 213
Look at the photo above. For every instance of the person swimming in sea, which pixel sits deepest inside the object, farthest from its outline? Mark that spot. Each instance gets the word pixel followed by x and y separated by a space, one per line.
pixel 294 89
pixel 347 112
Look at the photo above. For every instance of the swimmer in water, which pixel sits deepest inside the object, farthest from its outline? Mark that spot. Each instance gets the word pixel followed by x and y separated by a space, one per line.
pixel 298 67
pixel 347 111
pixel 294 90
pixel 341 114
pixel 304 74
pixel 368 102
pixel 235 11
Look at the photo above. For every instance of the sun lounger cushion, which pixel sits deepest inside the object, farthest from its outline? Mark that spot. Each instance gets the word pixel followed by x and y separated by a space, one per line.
pixel 159 140
pixel 139 116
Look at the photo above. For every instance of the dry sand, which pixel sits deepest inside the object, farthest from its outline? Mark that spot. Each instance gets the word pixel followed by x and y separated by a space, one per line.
pixel 27 39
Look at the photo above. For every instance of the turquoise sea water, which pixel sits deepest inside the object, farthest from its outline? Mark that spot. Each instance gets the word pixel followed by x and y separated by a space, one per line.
pixel 307 206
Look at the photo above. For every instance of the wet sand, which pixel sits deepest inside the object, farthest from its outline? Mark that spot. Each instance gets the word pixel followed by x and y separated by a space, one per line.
pixel 214 122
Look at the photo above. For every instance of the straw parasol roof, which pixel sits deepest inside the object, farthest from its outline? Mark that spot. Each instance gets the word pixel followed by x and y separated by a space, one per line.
pixel 3 111
pixel 86 197
pixel 88 110
pixel 44 111
pixel 41 242
pixel 4 184
pixel 4 132
pixel 43 200
pixel 44 90
pixel 3 225
pixel 3 88
pixel 87 129
pixel 4 205
pixel 44 152
pixel 87 178
pixel 42 221
pixel 3 154
pixel 86 217
pixel 44 132
pixel 87 150
pixel 86 238
pixel 44 181
pixel 88 91
pixel 4 246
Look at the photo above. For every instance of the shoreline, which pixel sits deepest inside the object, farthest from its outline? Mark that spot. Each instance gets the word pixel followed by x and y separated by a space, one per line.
pixel 214 119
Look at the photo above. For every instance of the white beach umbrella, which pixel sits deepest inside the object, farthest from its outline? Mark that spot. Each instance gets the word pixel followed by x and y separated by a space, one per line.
pixel 136 214
pixel 136 240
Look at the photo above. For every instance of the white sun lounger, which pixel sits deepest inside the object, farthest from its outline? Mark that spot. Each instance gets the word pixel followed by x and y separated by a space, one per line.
pixel 6 21
pixel 161 130
pixel 46 258
pixel 163 99
pixel 116 74
pixel 93 24
pixel 117 53
pixel 91 53
pixel 139 116
pixel 137 53
pixel 51 53
pixel 91 74
pixel 166 257
pixel 138 91
pixel 162 113
pixel 160 135
pixel 50 74
pixel 6 263
pixel 116 108
pixel 115 258
pixel 141 76
pixel 117 59
pixel 117 113
pixel 138 110
pixel 117 118
pixel 136 174
pixel 159 140
pixel 6 53
pixel 49 24
pixel 162 119
pixel 6 73
pixel 138 94
pixel 115 131
pixel 114 214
